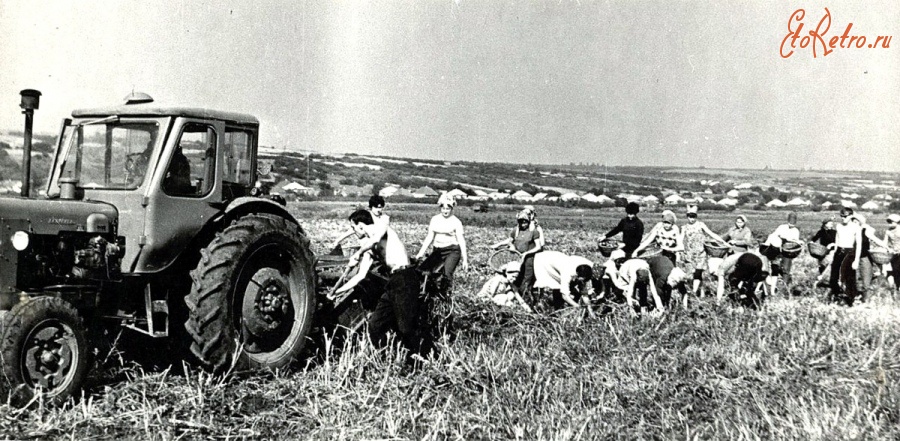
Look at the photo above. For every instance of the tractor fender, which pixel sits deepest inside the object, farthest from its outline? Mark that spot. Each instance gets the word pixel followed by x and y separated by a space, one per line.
pixel 245 205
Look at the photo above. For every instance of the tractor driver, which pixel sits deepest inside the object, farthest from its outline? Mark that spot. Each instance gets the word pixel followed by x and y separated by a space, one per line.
pixel 136 164
pixel 178 176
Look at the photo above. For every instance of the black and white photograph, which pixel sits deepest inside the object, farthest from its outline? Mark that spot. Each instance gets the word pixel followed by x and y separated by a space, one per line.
pixel 450 219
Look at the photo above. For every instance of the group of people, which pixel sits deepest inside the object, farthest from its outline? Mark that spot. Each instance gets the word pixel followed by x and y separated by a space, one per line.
pixel 682 261
pixel 382 256
pixel 850 254
pixel 645 281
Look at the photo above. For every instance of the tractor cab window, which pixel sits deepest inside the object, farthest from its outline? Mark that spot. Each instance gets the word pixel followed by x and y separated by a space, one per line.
pixel 237 156
pixel 192 167
pixel 236 177
pixel 107 153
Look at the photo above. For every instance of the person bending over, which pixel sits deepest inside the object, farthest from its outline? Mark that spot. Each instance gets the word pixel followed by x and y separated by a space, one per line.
pixel 571 278
pixel 744 271
pixel 634 279
pixel 501 289
pixel 668 278
pixel 400 307
pixel 376 208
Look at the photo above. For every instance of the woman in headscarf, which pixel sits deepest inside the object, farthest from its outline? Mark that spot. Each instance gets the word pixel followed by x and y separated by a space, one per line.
pixel 694 236
pixel 528 241
pixel 666 235
pixel 739 236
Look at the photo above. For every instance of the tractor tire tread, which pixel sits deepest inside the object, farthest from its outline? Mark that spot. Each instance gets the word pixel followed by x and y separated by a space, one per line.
pixel 213 338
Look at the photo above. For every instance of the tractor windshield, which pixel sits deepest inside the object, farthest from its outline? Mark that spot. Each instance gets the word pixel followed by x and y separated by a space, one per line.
pixel 107 153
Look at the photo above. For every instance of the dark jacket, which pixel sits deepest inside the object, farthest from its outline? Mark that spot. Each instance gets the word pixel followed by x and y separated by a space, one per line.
pixel 632 232
pixel 824 237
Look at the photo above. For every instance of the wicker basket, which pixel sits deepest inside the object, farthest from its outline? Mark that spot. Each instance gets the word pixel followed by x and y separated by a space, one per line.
pixel 817 250
pixel 716 249
pixel 649 252
pixel 502 257
pixel 791 249
pixel 607 246
pixel 880 256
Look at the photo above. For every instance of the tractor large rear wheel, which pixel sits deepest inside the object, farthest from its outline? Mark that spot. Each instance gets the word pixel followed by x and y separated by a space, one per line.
pixel 253 296
pixel 43 348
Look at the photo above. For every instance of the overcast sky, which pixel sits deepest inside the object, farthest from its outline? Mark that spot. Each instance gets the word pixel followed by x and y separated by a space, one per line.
pixel 687 83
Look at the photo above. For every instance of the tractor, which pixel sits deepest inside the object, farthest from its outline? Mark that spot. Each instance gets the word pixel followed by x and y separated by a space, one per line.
pixel 152 221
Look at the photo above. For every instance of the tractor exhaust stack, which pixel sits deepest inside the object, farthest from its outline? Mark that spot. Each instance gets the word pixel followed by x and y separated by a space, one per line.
pixel 31 100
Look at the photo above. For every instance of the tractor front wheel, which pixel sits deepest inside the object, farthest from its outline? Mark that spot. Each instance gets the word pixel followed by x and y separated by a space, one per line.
pixel 44 348
pixel 253 295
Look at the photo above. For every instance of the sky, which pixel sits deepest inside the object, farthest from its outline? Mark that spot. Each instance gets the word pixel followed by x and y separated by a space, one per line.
pixel 680 83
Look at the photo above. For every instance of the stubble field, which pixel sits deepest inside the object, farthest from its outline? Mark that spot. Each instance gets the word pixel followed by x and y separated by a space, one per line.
pixel 797 369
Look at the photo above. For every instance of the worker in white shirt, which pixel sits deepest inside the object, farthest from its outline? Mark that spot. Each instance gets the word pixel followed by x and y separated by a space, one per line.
pixel 633 277
pixel 845 239
pixel 376 208
pixel 400 307
pixel 571 278
pixel 784 233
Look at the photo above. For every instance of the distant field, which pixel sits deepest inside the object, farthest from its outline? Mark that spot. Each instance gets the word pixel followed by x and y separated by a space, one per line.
pixel 597 220
pixel 827 174
pixel 798 369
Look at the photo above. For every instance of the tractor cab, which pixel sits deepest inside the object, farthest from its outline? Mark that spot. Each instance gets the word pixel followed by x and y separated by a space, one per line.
pixel 167 170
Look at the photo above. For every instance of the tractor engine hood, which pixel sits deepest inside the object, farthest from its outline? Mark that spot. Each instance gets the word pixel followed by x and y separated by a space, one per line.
pixel 52 216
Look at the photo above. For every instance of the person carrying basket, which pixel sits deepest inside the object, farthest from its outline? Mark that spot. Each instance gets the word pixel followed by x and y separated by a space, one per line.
pixel 821 247
pixel 666 235
pixel 631 227
pixel 859 262
pixel 785 243
pixel 693 236
pixel 528 241
pixel 739 236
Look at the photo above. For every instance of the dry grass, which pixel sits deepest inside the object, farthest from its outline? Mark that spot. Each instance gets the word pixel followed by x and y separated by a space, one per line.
pixel 797 369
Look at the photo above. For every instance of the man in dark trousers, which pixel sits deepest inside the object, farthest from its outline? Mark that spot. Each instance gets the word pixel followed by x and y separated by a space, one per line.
pixel 631 227
pixel 400 308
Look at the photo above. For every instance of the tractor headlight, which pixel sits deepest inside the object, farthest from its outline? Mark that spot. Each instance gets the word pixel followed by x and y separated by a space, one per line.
pixel 20 240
